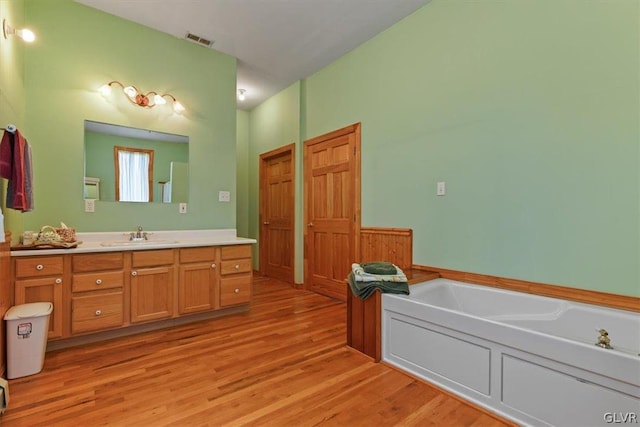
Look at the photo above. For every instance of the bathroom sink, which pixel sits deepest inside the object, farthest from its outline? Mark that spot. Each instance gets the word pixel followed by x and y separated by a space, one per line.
pixel 138 243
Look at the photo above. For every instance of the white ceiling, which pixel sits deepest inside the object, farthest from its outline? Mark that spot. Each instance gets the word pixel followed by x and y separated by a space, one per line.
pixel 277 42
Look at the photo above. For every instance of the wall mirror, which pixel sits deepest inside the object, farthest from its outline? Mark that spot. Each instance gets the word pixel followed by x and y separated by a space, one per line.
pixel 128 164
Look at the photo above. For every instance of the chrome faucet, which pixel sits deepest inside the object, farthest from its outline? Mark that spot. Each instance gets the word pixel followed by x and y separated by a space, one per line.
pixel 138 235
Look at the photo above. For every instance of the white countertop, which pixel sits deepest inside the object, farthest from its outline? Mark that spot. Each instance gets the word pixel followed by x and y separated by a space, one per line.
pixel 119 241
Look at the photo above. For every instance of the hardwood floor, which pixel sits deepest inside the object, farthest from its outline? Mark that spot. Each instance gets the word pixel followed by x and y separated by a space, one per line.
pixel 283 363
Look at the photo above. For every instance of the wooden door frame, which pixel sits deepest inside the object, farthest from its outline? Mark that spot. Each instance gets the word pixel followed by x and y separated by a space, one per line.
pixel 355 129
pixel 264 157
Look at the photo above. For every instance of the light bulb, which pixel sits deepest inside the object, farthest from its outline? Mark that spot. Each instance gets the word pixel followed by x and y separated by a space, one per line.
pixel 130 91
pixel 159 100
pixel 241 94
pixel 26 35
pixel 105 90
pixel 177 107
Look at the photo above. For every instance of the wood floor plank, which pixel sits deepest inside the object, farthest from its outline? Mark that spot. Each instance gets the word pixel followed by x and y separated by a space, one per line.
pixel 282 363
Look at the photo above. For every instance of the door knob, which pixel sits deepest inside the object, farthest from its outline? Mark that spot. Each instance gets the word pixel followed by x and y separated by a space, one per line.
pixel 265 223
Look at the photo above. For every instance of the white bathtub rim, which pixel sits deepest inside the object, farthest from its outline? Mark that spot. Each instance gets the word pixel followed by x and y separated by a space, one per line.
pixel 564 307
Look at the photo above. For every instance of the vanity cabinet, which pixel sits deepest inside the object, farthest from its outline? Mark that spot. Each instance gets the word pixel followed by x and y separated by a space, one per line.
pixel 198 284
pixel 40 279
pixel 101 291
pixel 97 292
pixel 235 275
pixel 152 285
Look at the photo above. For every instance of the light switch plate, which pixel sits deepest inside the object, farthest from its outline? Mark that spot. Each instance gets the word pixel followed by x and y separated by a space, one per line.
pixel 224 196
pixel 182 208
pixel 441 188
pixel 89 205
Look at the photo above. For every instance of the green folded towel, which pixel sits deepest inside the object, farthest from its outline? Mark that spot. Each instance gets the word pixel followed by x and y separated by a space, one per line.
pixel 363 290
pixel 379 267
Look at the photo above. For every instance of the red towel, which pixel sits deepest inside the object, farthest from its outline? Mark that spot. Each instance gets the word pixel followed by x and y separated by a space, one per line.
pixel 15 165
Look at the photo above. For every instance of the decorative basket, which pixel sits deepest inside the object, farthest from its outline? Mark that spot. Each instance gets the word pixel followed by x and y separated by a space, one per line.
pixel 48 236
pixel 66 234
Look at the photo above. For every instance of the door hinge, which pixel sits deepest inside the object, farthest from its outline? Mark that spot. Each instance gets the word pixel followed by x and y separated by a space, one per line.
pixel 354 151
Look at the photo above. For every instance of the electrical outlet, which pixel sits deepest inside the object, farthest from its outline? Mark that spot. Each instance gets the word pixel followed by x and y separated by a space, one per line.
pixel 182 208
pixel 89 205
pixel 224 196
pixel 441 188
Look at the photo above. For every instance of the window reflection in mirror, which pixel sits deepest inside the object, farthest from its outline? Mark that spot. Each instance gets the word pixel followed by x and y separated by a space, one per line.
pixel 134 174
pixel 167 178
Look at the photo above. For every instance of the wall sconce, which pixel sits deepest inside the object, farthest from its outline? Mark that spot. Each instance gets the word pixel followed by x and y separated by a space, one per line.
pixel 241 96
pixel 146 100
pixel 25 34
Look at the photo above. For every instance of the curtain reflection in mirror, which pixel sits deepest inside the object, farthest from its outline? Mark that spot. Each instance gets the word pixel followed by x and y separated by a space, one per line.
pixel 134 174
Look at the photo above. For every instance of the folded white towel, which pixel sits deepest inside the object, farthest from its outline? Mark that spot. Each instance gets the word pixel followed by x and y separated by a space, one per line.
pixel 361 276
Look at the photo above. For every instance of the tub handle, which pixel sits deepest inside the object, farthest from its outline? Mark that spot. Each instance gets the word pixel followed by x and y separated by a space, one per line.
pixel 603 340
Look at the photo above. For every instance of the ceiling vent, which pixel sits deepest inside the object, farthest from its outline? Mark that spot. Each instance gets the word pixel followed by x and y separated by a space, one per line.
pixel 197 39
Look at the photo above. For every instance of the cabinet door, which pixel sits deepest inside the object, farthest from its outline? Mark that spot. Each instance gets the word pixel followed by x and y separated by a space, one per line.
pixel 151 294
pixel 197 289
pixel 46 289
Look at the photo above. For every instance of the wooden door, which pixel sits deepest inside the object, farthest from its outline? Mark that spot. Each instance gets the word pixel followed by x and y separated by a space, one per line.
pixel 332 209
pixel 277 212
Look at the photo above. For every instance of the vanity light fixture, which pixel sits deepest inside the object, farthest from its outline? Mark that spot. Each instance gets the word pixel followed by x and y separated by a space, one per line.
pixel 146 100
pixel 24 33
pixel 241 96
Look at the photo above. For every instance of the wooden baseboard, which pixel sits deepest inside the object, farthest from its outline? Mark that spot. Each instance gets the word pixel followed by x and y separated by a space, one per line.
pixel 623 302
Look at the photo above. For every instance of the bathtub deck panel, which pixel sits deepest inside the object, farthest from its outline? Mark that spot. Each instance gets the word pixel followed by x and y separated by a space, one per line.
pixel 558 398
pixel 460 361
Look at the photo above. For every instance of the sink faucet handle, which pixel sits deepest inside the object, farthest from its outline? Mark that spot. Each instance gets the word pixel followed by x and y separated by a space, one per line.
pixel 139 228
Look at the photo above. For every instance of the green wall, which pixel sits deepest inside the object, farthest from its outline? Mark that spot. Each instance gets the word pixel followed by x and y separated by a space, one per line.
pixel 528 110
pixel 78 50
pixel 242 173
pixel 12 94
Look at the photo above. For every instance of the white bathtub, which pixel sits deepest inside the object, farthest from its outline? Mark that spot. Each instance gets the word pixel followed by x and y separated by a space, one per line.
pixel 528 358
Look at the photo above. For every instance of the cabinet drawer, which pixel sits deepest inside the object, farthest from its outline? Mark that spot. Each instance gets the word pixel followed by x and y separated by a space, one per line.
pixel 39 266
pixel 197 254
pixel 96 281
pixel 151 258
pixel 93 312
pixel 237 251
pixel 235 266
pixel 235 290
pixel 94 262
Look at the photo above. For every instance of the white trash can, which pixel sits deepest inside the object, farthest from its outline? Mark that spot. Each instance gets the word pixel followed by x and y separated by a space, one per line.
pixel 27 330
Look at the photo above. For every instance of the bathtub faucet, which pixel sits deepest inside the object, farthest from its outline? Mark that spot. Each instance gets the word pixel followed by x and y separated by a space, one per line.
pixel 603 340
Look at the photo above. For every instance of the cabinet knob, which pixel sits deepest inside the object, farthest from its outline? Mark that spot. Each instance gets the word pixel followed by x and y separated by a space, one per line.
pixel 310 224
pixel 213 265
pixel 266 223
pixel 134 273
pixel 236 290
pixel 39 267
pixel 98 312
pixel 58 281
pixel 237 266
pixel 99 282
